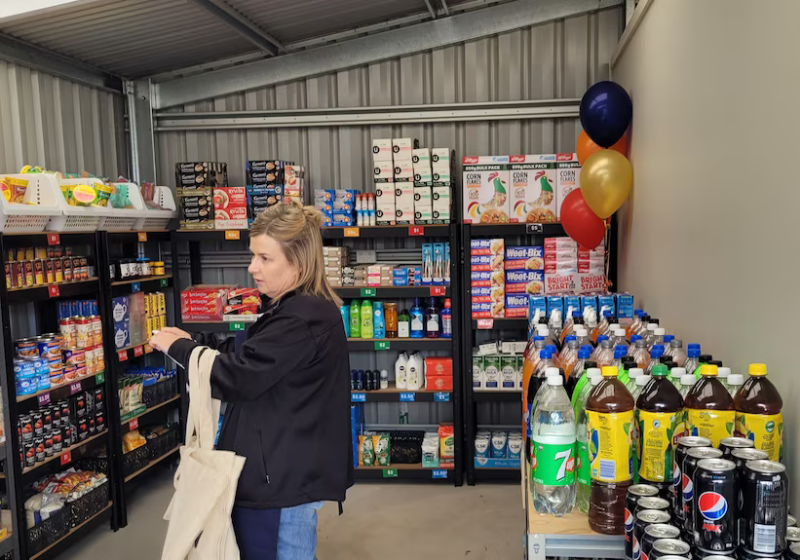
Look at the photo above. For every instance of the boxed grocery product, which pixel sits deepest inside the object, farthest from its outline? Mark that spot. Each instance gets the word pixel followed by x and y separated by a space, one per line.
pixel 524 281
pixel 244 296
pixel 294 182
pixel 427 264
pixel 524 258
pixel 384 204
pixel 259 199
pixel 568 172
pixel 404 203
pixel 383 172
pixel 486 183
pixel 324 196
pixel 230 208
pixel 517 305
pixel 487 247
pixel 509 372
pixel 201 173
pixel 203 302
pixel 559 283
pixel 403 171
pixel 533 184
pixel 441 205
pixel 537 303
pixel 440 158
pixel 477 373
pixel 590 283
pixel 491 372
pixel 403 148
pixel 423 205
pixel 423 177
pixel 421 158
pixel 196 208
pixel 382 149
pixel 442 177
pixel 438 382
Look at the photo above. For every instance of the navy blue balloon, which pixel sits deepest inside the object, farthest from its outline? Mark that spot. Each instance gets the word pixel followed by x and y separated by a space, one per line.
pixel 606 112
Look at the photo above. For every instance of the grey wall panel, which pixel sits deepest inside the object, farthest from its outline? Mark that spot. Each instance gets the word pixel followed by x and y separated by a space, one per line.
pixel 59 124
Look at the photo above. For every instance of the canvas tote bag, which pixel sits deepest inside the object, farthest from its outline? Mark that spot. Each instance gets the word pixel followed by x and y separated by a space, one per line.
pixel 199 514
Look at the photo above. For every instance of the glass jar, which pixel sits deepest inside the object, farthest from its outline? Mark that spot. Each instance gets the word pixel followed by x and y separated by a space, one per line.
pixel 391 320
pixel 159 269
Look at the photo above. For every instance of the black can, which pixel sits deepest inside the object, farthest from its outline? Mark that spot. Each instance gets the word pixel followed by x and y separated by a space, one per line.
pixel 29 451
pixel 652 502
pixel 58 440
pixel 765 507
pixel 792 552
pixel 38 424
pixel 635 492
pixel 681 447
pixel 352 380
pixel 688 491
pixel 740 457
pixel 48 444
pixel 26 427
pixel 38 444
pixel 65 413
pixel 99 402
pixel 670 547
pixel 700 555
pixel 728 444
pixel 360 380
pixel 56 411
pixel 792 535
pixel 100 420
pixel 655 532
pixel 47 419
pixel 643 519
pixel 743 554
pixel 714 514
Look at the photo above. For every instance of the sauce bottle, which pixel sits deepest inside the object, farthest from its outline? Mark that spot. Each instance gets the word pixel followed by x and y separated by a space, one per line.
pixel 378 320
pixel 417 320
pixel 609 410
pixel 658 413
pixel 709 408
pixel 758 413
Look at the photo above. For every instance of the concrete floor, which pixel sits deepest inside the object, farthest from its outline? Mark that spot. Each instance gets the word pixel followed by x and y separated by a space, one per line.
pixel 390 522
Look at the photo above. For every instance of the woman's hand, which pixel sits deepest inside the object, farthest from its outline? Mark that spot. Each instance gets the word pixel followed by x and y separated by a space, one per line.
pixel 162 340
pixel 177 332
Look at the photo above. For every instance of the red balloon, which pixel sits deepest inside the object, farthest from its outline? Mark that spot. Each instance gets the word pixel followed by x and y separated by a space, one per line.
pixel 580 223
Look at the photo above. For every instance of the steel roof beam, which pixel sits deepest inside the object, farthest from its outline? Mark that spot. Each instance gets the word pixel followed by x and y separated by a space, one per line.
pixel 430 8
pixel 365 50
pixel 445 7
pixel 239 23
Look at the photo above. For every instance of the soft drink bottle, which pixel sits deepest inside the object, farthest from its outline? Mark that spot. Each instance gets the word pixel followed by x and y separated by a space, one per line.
pixel 658 411
pixel 702 360
pixel 735 382
pixel 675 374
pixel 639 383
pixel 693 358
pixel 631 329
pixel 569 353
pixel 677 352
pixel 709 408
pixel 655 357
pixel 549 372
pixel 633 374
pixel 547 334
pixel 577 370
pixel 722 373
pixel 650 334
pixel 602 326
pixel 534 383
pixel 620 351
pixel 554 442
pixel 533 352
pixel 667 339
pixel 640 352
pixel 582 336
pixel 599 349
pixel 584 387
pixel 572 314
pixel 658 337
pixel 584 483
pixel 758 413
pixel 688 381
pixel 618 338
pixel 610 423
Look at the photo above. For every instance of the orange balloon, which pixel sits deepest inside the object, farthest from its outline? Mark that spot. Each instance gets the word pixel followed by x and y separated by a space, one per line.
pixel 587 147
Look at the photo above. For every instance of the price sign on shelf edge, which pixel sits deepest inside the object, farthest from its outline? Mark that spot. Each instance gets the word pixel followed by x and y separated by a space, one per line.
pixel 142 236
pixel 416 230
pixel 75 388
pixel 232 234
pixel 406 397
pixel 382 345
pixel 44 399
pixel 441 397
pixel 138 351
pixel 439 473
pixel 133 424
pixel 136 287
pixel 53 291
pixel 351 232
pixel 438 290
pixel 368 292
pixel 389 473
pixel 534 228
pixel 122 355
pixel 66 458
pixel 485 323
pixel 100 378
pixel 358 397
pixel 53 239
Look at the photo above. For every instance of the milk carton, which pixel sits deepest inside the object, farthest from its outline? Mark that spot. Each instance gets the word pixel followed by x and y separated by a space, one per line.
pixel 533 186
pixel 508 373
pixel 486 184
pixel 568 172
pixel 491 372
pixel 477 373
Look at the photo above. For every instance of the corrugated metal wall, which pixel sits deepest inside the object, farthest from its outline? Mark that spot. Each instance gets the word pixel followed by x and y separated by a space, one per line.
pixel 554 60
pixel 59 124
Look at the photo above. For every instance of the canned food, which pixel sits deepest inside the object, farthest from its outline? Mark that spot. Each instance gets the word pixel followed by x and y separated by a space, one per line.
pixel 100 358
pixel 69 332
pixel 26 426
pixel 84 268
pixel 55 364
pixel 27 268
pixel 100 420
pixel 47 418
pixel 48 445
pixel 58 440
pixel 56 375
pixel 8 275
pixel 656 532
pixel 49 272
pixel 27 386
pixel 38 423
pixel 643 519
pixel 17 275
pixel 98 399
pixel 66 266
pixel 83 428
pixel 38 443
pixel 58 270
pixel 56 411
pixel 76 358
pixel 91 424
pixel 80 405
pixel 159 269
pixel 714 519
pixel 27 348
pixel 29 451
pixel 38 272
pixel 82 331
pixel 652 502
pixel 49 348
pixel 689 483
pixel 24 368
pixel 76 269
pixel 97 329
pixel 80 372
pixel 65 412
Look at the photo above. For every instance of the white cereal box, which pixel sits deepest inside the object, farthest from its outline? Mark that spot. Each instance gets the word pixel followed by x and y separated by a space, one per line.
pixel 533 188
pixel 486 184
pixel 568 172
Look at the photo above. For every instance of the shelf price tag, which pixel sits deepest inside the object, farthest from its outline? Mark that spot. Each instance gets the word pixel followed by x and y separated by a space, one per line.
pixel 148 349
pixel 439 473
pixel 100 377
pixel 53 239
pixel 133 424
pixel 122 355
pixel 142 236
pixel 438 290
pixel 389 473
pixel 138 351
pixel 232 234
pixel 382 345
pixel 53 291
pixel 358 397
pixel 164 282
pixel 534 228
pixel 44 400
pixel 351 232
pixel 416 230
pixel 441 397
pixel 239 326
pixel 75 388
pixel 368 292
pixel 406 397
pixel 136 287
pixel 66 458
pixel 485 323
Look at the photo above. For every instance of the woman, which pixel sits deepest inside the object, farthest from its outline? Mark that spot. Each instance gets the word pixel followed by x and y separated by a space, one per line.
pixel 287 390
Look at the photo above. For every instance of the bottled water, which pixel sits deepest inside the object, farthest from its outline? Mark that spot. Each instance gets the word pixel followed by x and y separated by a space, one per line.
pixel 584 489
pixel 554 442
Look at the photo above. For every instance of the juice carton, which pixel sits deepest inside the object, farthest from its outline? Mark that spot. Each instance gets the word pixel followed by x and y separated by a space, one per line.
pixel 533 184
pixel 568 172
pixel 608 301
pixel 588 301
pixel 486 184
pixel 537 303
pixel 624 306
pixel 555 303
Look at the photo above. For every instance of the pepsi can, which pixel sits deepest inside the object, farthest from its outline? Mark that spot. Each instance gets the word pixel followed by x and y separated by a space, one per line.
pixel 743 554
pixel 635 492
pixel 791 521
pixel 652 502
pixel 681 447
pixel 793 552
pixel 714 515
pixel 643 519
pixel 740 457
pixel 670 547
pixel 656 532
pixel 765 507
pixel 728 444
pixel 688 492
pixel 792 535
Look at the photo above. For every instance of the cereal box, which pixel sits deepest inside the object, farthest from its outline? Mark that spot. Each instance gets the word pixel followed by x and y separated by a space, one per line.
pixel 482 310
pixel 487 246
pixel 559 283
pixel 486 184
pixel 568 172
pixel 481 294
pixel 590 283
pixel 230 208
pixel 524 281
pixel 533 184
pixel 517 305
pixel 524 258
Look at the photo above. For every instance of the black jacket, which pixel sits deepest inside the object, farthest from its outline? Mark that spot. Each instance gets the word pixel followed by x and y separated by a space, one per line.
pixel 288 411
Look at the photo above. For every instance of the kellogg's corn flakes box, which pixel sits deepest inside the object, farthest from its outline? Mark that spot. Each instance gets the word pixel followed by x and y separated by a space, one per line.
pixel 486 184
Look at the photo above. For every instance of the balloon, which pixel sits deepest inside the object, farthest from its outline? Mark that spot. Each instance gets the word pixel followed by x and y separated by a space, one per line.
pixel 606 112
pixel 606 181
pixel 580 223
pixel 586 146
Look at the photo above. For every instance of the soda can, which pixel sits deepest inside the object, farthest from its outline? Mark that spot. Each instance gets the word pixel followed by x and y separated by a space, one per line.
pixel 714 515
pixel 100 420
pixel 681 447
pixel 670 547
pixel 791 521
pixel 728 444
pixel 56 416
pixel 643 519
pixel 792 535
pixel 48 444
pixel 766 499
pixel 672 557
pixel 58 440
pixel 698 554
pixel 688 493
pixel 635 492
pixel 743 554
pixel 47 418
pixel 793 552
pixel 652 502
pixel 656 532
pixel 740 457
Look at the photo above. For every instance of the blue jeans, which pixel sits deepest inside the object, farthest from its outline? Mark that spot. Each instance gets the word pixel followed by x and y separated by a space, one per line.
pixel 282 534
pixel 297 536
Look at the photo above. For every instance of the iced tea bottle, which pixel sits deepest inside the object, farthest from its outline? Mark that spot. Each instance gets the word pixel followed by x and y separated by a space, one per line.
pixel 658 412
pixel 758 413
pixel 709 408
pixel 639 351
pixel 633 328
pixel 609 411
pixel 569 354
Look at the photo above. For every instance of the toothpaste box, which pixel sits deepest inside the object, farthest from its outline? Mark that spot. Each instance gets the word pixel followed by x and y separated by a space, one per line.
pixel 441 205
pixel 383 171
pixel 624 306
pixel 524 281
pixel 485 189
pixel 568 172
pixel 533 185
pixel 517 305
pixel 404 203
pixel 382 149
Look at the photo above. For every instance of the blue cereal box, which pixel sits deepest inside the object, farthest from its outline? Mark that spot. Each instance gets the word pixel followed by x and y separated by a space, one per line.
pixel 608 302
pixel 481 278
pixel 482 310
pixel 479 263
pixel 524 282
pixel 481 294
pixel 516 305
pixel 588 301
pixel 624 306
pixel 487 247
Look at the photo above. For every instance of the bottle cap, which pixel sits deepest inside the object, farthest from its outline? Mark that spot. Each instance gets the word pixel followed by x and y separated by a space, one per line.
pixel 638 312
pixel 675 343
pixel 694 352
pixel 570 338
pixel 630 361
pixel 610 371
pixel 654 320
pixel 551 347
pixel 677 372
pixel 757 370
pixel 659 370
pixel 554 380
pixel 606 344
pixel 668 338
pixel 708 370
pixel 591 364
pixel 595 380
pixel 594 372
pixel 706 358
pixel 724 371
pixel 580 331
pixel 606 313
pixel 447 303
pixel 620 351
pixel 619 332
pixel 601 338
pixel 652 326
pixel 735 379
pixel 552 371
pixel 660 331
pixel 636 337
pixel 584 353
pixel 544 353
pixel 642 380
pixel 694 346
pixel 656 351
pixel 688 379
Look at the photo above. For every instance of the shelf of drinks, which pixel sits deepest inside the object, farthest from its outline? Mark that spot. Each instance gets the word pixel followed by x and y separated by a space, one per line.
pixel 498 324
pixel 127 421
pixel 442 230
pixel 72 532
pixel 501 230
pixel 52 291
pixel 400 395
pixel 85 383
pixel 495 396
pixel 405 472
pixel 143 236
pixel 216 326
pixel 372 344
pixel 6 544
pixel 65 460
pixel 152 464
pixel 134 351
pixel 393 292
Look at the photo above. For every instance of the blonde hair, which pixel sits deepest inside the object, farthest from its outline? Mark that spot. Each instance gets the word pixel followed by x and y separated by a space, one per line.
pixel 296 228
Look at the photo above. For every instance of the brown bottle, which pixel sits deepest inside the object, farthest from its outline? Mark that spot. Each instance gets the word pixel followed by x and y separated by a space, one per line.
pixel 609 409
pixel 709 408
pixel 758 413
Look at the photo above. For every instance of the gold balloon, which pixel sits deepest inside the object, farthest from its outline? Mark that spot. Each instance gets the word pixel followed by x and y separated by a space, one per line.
pixel 606 181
